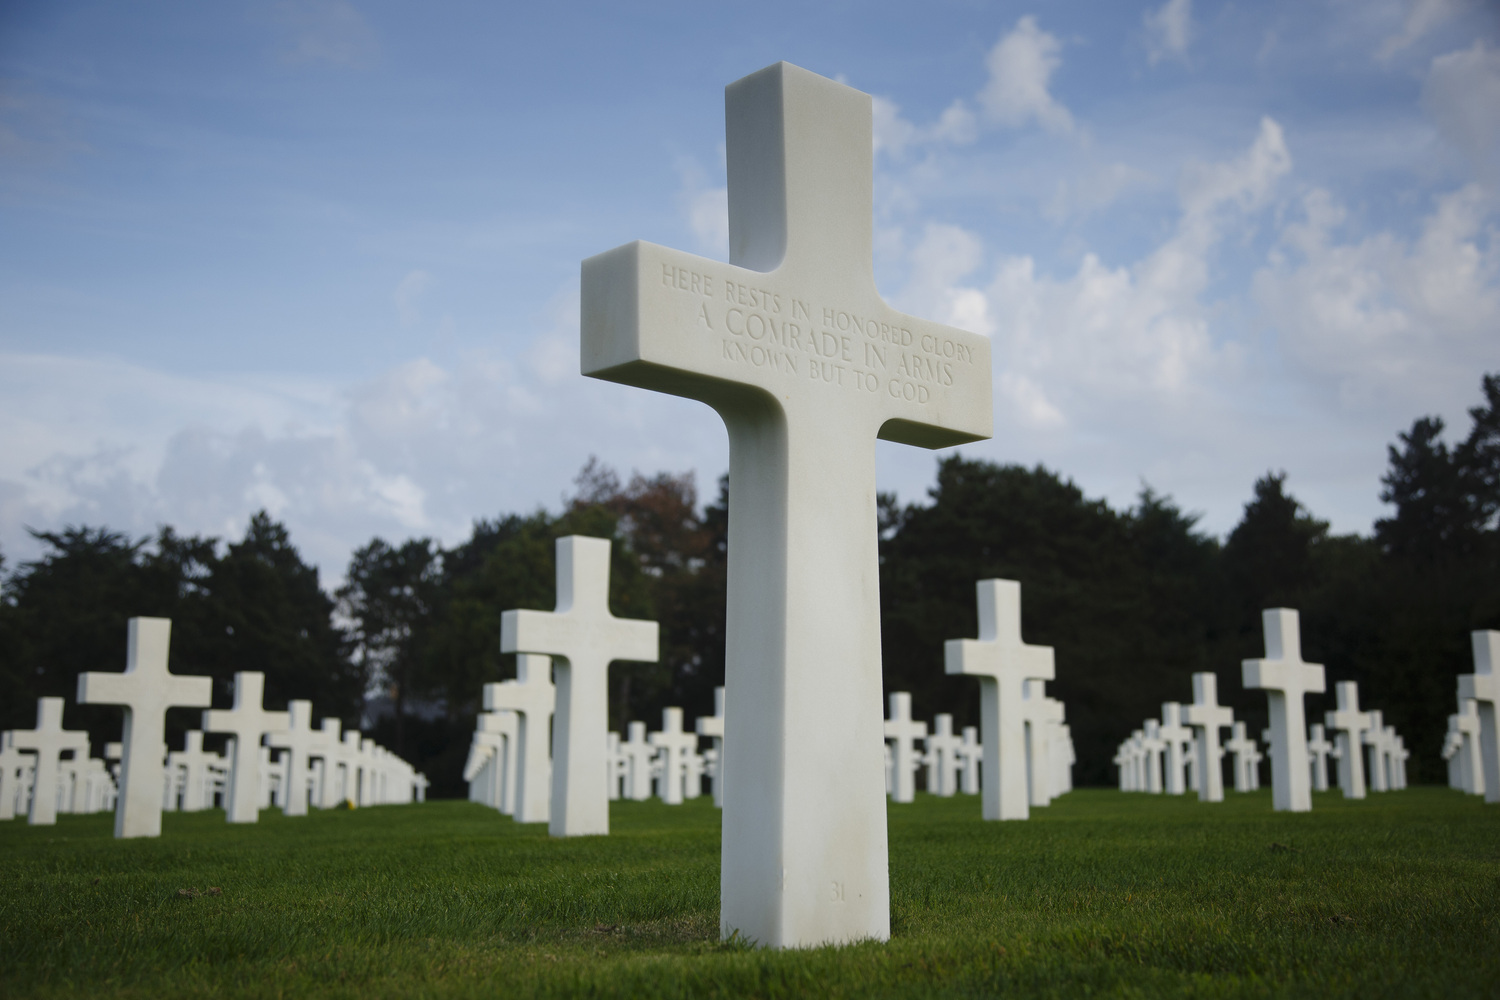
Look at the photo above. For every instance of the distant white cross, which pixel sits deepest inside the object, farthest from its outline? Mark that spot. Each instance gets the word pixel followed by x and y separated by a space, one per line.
pixel 532 697
pixel 903 732
pixel 638 754
pixel 330 747
pixel 298 740
pixel 942 756
pixel 793 346
pixel 247 722
pixel 194 762
pixel 1483 686
pixel 1471 764
pixel 13 768
pixel 1349 725
pixel 1286 679
pixel 1208 717
pixel 969 754
pixel 49 741
pixel 1318 752
pixel 713 726
pixel 583 639
pixel 1374 738
pixel 1003 663
pixel 1242 747
pixel 1153 748
pixel 146 690
pixel 672 745
pixel 1040 714
pixel 1179 740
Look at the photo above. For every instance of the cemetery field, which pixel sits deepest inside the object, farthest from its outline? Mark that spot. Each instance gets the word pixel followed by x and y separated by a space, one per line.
pixel 1101 892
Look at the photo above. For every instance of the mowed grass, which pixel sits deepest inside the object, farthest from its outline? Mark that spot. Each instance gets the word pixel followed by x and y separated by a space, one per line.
pixel 1100 893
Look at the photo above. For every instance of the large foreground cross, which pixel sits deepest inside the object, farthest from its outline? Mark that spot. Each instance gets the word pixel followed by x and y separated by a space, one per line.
pixel 146 690
pixel 791 343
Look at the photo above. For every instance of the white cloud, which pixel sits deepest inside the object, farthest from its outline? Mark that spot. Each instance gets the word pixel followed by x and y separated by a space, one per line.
pixel 1021 66
pixel 894 134
pixel 1422 16
pixel 1169 29
pixel 1462 94
pixel 706 208
pixel 408 295
pixel 1384 319
pixel 326 31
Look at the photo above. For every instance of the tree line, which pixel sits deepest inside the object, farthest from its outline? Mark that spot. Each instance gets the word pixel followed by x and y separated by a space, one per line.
pixel 1132 600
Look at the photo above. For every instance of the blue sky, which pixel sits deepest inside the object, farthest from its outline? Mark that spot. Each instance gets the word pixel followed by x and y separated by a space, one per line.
pixel 322 256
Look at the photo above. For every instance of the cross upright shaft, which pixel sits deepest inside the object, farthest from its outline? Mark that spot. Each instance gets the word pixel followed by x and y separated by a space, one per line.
pixel 794 348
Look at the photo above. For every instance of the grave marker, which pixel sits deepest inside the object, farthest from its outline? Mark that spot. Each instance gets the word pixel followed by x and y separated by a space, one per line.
pixel 247 722
pixel 583 639
pixel 672 745
pixel 145 690
pixel 1003 663
pixel 942 756
pixel 1471 764
pixel 48 741
pixel 638 755
pixel 969 754
pixel 1286 679
pixel 1179 741
pixel 532 697
pixel 903 732
pixel 1207 717
pixel 1483 686
pixel 1318 752
pixel 792 345
pixel 1349 724
pixel 713 726
pixel 298 740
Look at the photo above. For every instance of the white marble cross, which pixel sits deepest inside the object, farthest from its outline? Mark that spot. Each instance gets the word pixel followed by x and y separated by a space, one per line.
pixel 1207 717
pixel 942 756
pixel 48 741
pixel 1465 725
pixel 1039 713
pixel 638 754
pixel 903 732
pixel 713 726
pixel 1124 760
pixel 1318 752
pixel 247 722
pixel 1374 739
pixel 1003 663
pixel 1483 686
pixel 1179 740
pixel 532 697
pixel 583 639
pixel 969 754
pixel 298 740
pixel 1286 679
pixel 672 744
pixel 1243 748
pixel 615 766
pixel 146 690
pixel 330 747
pixel 13 766
pixel 1153 749
pixel 194 762
pixel 1349 725
pixel 791 343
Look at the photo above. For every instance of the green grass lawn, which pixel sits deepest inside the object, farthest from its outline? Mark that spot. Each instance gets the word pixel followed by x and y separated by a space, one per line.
pixel 1099 893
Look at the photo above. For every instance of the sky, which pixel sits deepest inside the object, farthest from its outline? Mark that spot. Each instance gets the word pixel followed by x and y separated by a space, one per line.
pixel 320 257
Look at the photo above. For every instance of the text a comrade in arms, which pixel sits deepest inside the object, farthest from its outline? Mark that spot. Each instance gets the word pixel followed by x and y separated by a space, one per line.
pixel 774 318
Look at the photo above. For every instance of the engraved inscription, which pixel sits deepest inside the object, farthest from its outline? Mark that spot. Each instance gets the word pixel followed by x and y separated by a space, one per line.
pixel 835 892
pixel 770 329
